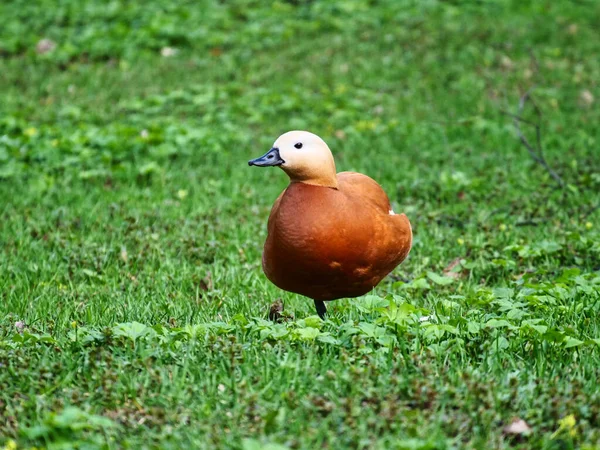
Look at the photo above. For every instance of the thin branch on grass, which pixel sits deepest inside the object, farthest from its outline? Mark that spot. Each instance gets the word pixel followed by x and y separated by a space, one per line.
pixel 592 210
pixel 520 119
pixel 452 221
pixel 527 223
pixel 493 212
pixel 537 153
pixel 534 61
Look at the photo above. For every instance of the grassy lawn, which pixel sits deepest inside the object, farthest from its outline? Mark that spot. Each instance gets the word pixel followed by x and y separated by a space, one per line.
pixel 133 308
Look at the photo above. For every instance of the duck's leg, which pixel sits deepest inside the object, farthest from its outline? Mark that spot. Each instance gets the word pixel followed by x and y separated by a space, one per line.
pixel 321 309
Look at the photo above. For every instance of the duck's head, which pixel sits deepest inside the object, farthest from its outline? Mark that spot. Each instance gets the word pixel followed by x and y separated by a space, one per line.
pixel 304 156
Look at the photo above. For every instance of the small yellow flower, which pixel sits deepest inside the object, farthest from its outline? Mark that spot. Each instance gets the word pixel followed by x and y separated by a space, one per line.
pixel 566 424
pixel 31 131
pixel 74 324
pixel 460 241
pixel 568 421
pixel 502 227
pixel 341 88
pixel 181 194
pixel 588 225
pixel 365 125
pixel 10 445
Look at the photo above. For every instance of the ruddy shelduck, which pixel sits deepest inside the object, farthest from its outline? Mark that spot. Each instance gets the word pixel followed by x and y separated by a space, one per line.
pixel 330 235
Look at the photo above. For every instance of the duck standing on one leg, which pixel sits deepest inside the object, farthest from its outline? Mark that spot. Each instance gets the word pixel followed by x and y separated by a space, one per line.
pixel 330 235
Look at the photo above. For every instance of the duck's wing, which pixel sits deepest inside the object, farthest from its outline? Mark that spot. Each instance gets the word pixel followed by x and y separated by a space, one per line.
pixel 357 185
pixel 392 231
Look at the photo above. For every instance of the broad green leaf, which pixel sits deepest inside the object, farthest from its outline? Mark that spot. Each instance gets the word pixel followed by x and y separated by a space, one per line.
pixel 541 329
pixel 371 330
pixel 549 246
pixel 474 327
pixel 308 334
pixel 328 339
pixel 131 330
pixel 438 279
pixel 554 336
pixel 572 342
pixel 449 304
pixel 371 302
pixel 498 323
pixel 502 292
pixel 86 335
pixel 501 343
pixel 313 322
pixel 419 283
pixel 516 314
pixel 90 273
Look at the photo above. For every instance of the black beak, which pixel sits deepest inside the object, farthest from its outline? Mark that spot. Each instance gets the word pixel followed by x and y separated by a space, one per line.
pixel 271 158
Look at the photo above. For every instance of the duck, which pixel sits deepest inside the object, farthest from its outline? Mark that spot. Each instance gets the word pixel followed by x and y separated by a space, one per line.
pixel 329 235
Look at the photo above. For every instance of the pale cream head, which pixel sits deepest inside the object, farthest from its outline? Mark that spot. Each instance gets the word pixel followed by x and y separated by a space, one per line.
pixel 306 158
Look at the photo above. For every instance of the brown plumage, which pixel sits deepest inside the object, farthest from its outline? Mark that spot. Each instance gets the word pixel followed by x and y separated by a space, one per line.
pixel 330 235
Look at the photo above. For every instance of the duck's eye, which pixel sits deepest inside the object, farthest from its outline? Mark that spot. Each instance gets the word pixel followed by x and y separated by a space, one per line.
pixel 298 145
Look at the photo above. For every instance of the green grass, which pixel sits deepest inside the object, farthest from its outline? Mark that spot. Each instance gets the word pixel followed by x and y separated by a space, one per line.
pixel 133 309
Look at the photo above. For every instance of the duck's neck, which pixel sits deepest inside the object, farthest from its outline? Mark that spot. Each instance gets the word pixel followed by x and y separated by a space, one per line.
pixel 322 175
pixel 330 182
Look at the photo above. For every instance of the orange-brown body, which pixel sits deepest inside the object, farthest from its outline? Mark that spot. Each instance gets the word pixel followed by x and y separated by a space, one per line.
pixel 327 243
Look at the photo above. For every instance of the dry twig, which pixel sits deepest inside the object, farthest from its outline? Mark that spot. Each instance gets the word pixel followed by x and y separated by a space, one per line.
pixel 537 154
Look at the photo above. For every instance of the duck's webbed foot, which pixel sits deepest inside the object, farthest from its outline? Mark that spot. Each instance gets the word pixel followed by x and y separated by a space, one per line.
pixel 321 309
